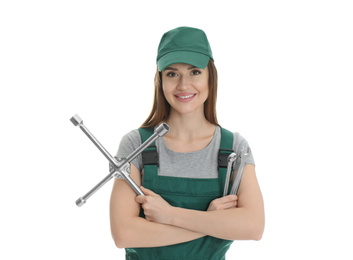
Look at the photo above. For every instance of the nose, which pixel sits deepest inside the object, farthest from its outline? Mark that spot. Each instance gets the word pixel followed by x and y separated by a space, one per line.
pixel 183 83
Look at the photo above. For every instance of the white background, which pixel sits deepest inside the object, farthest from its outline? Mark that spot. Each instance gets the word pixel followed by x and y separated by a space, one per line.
pixel 285 72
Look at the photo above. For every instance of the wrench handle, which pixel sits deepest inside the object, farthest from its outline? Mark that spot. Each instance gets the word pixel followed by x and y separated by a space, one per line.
pixel 231 159
pixel 82 200
pixel 100 147
pixel 226 185
pixel 237 179
pixel 134 186
pixel 160 131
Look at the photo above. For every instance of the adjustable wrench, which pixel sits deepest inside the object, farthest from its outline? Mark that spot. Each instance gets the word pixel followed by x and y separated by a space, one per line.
pixel 119 167
pixel 231 158
pixel 243 157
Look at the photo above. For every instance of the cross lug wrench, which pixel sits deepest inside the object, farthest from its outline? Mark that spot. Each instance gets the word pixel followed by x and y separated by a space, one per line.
pixel 119 167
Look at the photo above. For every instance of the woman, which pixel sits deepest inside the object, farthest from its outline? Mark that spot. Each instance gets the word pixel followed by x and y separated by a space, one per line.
pixel 183 215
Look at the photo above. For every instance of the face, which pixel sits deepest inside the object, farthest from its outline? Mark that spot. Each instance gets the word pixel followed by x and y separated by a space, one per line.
pixel 185 88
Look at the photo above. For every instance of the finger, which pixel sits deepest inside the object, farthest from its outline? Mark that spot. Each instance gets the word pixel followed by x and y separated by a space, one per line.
pixel 230 205
pixel 140 199
pixel 229 198
pixel 147 191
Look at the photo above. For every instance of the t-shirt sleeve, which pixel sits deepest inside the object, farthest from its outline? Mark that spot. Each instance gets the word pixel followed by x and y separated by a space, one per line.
pixel 238 143
pixel 128 144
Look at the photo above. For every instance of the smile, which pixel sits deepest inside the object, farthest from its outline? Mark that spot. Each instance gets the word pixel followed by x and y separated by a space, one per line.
pixel 185 97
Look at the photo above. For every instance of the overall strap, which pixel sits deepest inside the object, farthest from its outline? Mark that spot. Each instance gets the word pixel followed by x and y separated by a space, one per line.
pixel 150 159
pixel 226 148
pixel 145 133
pixel 150 155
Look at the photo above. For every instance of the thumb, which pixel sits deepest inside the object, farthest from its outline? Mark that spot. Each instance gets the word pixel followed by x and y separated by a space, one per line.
pixel 140 199
pixel 147 191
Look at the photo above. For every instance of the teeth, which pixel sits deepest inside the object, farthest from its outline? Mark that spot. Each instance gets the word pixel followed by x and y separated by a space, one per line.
pixel 186 96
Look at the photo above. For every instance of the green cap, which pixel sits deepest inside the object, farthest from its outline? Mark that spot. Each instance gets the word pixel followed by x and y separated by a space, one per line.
pixel 184 45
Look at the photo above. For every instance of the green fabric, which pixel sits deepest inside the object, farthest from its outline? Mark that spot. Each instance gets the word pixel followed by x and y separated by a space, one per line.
pixel 226 147
pixel 187 193
pixel 184 45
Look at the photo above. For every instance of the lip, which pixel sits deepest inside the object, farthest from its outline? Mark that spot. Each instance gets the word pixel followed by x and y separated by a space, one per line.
pixel 185 97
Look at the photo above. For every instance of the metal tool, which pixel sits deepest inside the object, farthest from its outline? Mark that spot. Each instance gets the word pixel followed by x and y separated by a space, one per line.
pixel 231 158
pixel 119 167
pixel 243 157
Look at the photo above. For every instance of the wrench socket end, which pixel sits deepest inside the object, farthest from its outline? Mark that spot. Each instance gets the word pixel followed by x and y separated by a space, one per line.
pixel 232 157
pixel 162 129
pixel 76 120
pixel 80 202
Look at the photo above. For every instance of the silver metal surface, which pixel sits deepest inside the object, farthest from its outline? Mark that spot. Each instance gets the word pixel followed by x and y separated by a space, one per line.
pixel 119 167
pixel 231 158
pixel 76 120
pixel 80 202
pixel 160 131
pixel 243 157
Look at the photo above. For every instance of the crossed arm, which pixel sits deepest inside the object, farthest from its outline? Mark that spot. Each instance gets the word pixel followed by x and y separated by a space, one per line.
pixel 230 217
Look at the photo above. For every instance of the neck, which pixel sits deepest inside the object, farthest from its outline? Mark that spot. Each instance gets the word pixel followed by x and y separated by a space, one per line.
pixel 188 126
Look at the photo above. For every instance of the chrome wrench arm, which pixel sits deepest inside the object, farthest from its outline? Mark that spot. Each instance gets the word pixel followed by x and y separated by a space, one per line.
pixel 121 168
pixel 82 200
pixel 237 180
pixel 231 158
pixel 77 121
pixel 123 173
pixel 236 183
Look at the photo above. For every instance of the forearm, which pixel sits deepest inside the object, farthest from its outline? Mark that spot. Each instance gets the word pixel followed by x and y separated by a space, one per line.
pixel 227 221
pixel 130 230
pixel 232 224
pixel 139 232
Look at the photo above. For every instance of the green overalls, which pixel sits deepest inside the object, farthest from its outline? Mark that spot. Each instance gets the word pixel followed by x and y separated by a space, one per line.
pixel 186 193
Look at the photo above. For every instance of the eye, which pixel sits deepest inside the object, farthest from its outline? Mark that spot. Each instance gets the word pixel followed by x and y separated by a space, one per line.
pixel 195 72
pixel 171 74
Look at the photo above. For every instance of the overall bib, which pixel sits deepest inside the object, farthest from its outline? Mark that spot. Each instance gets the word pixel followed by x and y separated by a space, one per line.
pixel 186 193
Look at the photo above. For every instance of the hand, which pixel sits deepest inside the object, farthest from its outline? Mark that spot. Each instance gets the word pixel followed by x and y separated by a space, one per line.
pixel 226 202
pixel 156 209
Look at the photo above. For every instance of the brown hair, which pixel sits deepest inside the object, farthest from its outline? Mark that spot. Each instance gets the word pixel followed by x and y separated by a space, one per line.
pixel 161 108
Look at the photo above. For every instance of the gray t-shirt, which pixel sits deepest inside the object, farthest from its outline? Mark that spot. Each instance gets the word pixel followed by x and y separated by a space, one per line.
pixel 200 164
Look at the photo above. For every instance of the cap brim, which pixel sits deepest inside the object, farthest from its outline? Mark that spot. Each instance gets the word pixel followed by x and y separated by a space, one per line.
pixel 198 60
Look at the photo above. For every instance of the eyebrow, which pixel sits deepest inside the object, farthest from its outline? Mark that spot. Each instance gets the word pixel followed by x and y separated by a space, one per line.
pixel 170 68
